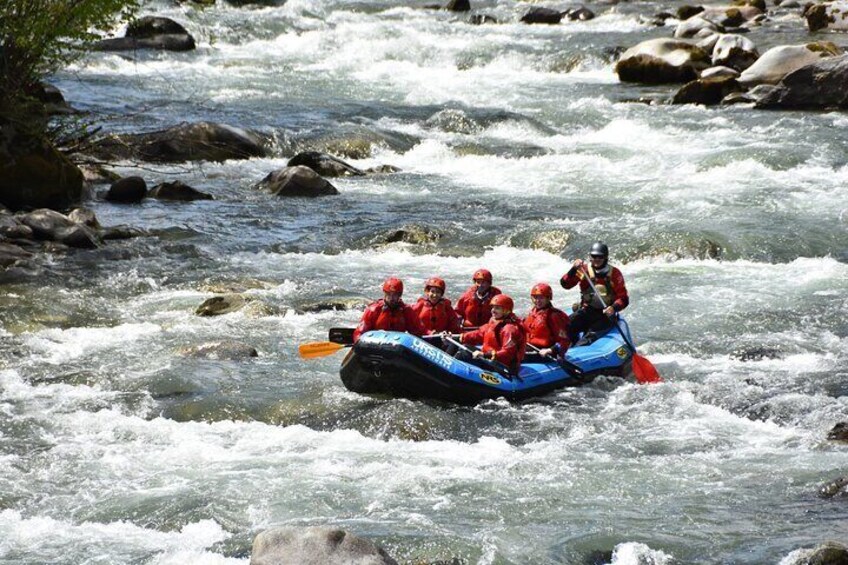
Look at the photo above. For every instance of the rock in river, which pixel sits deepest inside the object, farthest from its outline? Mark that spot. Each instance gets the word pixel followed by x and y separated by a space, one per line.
pixel 296 181
pixel 315 545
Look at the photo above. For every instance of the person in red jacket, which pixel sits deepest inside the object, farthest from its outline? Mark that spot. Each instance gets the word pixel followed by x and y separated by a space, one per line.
pixel 474 307
pixel 434 311
pixel 389 313
pixel 503 337
pixel 594 314
pixel 547 327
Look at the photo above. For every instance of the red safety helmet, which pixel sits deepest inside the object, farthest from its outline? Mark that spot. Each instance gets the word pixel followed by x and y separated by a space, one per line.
pixel 503 301
pixel 482 274
pixel 542 289
pixel 393 284
pixel 436 282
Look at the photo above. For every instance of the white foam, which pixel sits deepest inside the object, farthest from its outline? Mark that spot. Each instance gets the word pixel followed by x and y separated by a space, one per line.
pixel 633 553
pixel 59 346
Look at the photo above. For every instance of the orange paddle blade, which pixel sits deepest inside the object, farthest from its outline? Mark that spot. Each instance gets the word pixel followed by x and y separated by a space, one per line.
pixel 318 349
pixel 644 370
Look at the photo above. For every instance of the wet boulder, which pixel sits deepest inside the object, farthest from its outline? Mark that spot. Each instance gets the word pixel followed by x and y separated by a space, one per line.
pixel 706 91
pixel 334 305
pixel 416 235
pixel 731 16
pixel 33 174
pixel 480 19
pixel 11 254
pixel 221 351
pixel 660 61
pixel 582 14
pixel 85 217
pixel 296 181
pixel 179 191
pixel 539 15
pixel 458 6
pixel 299 546
pixel 828 553
pixel 52 226
pixel 839 432
pixel 719 72
pixel 220 305
pixel 832 16
pixel 113 233
pixel 822 84
pixel 11 228
pixel 696 26
pixel 838 487
pixel 382 170
pixel 734 51
pixel 150 32
pixel 129 190
pixel 685 12
pixel 324 164
pixel 200 141
pixel 779 61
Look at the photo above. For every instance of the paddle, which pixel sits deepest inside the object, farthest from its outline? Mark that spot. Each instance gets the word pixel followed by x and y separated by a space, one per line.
pixel 317 349
pixel 564 363
pixel 643 370
pixel 497 365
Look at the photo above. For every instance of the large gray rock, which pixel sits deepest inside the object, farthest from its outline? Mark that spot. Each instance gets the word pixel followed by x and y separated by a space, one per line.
pixel 150 32
pixel 458 6
pixel 832 16
pixel 11 228
pixel 659 61
pixel 719 72
pixel 220 305
pixel 731 16
pixel 297 181
pixel 325 165
pixel 53 226
pixel 315 546
pixel 734 51
pixel 128 190
pixel 706 91
pixel 823 84
pixel 85 217
pixel 839 432
pixel 34 175
pixel 201 141
pixel 179 191
pixel 538 15
pixel 696 26
pixel 828 553
pixel 779 61
pixel 837 487
pixel 11 254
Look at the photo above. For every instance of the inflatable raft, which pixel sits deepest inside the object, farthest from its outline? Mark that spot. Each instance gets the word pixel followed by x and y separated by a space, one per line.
pixel 402 365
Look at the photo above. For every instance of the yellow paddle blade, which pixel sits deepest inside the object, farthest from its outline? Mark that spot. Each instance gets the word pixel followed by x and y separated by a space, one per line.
pixel 318 349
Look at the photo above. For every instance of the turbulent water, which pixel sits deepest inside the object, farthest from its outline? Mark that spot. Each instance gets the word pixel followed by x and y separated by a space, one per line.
pixel 518 148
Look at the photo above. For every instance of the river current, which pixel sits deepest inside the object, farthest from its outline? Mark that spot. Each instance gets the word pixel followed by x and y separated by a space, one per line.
pixel 518 147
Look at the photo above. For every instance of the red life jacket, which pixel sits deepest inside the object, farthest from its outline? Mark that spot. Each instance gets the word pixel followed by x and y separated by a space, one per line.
pixel 473 310
pixel 506 337
pixel 378 316
pixel 438 317
pixel 546 327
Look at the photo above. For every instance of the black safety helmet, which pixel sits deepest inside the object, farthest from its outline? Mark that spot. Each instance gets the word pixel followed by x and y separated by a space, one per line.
pixel 599 249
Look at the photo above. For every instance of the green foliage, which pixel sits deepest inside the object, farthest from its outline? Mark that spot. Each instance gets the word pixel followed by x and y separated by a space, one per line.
pixel 38 37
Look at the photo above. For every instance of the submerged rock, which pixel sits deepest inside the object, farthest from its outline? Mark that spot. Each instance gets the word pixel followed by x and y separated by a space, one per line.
pixel 325 165
pixel 200 141
pixel 552 241
pixel 659 61
pixel 219 305
pixel 838 487
pixel 416 235
pixel 839 432
pixel 179 191
pixel 221 350
pixel 11 254
pixel 317 545
pixel 296 181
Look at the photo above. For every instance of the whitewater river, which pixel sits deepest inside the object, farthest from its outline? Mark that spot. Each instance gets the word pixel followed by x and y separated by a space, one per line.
pixel 518 147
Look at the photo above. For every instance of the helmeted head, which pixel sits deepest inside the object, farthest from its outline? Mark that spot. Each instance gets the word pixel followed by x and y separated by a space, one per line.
pixel 599 254
pixel 502 305
pixel 541 294
pixel 392 290
pixel 434 288
pixel 483 279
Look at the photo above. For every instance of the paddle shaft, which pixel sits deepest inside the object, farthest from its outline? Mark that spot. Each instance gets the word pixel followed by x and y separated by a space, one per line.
pixel 564 363
pixel 496 364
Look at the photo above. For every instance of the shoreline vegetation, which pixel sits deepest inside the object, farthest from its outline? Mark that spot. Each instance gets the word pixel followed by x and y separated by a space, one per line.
pixel 49 162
